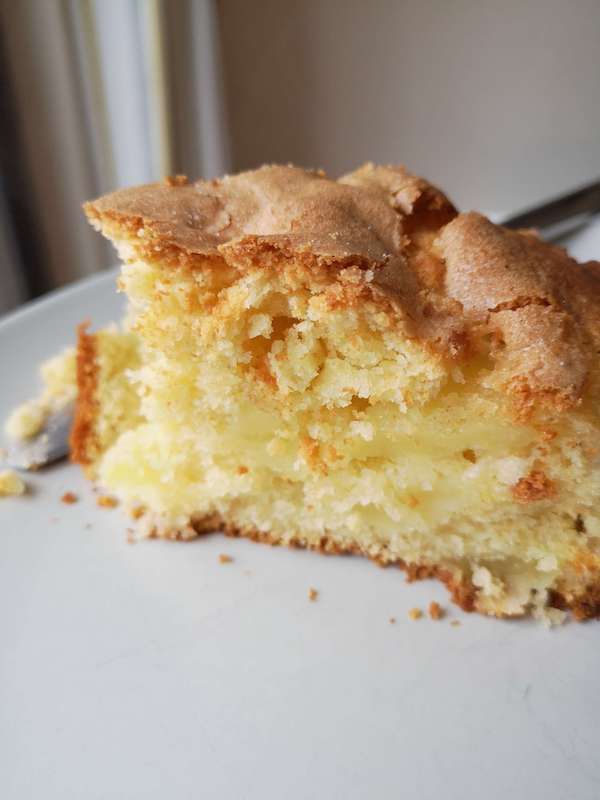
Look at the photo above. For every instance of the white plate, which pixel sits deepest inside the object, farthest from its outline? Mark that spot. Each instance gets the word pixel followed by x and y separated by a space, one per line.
pixel 153 671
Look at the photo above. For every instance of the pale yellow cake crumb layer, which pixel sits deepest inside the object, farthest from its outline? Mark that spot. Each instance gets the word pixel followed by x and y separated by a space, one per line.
pixel 118 355
pixel 264 404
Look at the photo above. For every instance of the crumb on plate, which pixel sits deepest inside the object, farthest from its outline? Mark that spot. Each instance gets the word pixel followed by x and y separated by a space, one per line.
pixel 392 620
pixel 312 594
pixel 27 420
pixel 11 483
pixel 225 559
pixel 435 610
pixel 69 498
pixel 415 613
pixel 106 501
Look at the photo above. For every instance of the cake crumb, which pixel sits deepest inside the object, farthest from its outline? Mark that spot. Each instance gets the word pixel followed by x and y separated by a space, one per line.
pixel 69 498
pixel 137 512
pixel 392 620
pixel 106 501
pixel 415 613
pixel 11 483
pixel 225 559
pixel 435 610
pixel 455 623
pixel 312 594
pixel 242 470
pixel 27 420
pixel 131 536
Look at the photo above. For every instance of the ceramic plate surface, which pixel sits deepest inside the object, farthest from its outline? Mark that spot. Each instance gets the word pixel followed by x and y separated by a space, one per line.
pixel 154 671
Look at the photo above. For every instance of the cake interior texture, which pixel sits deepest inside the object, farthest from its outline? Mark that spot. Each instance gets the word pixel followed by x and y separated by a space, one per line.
pixel 431 403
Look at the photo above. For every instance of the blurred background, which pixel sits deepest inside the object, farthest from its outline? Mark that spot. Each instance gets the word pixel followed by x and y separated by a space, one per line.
pixel 496 101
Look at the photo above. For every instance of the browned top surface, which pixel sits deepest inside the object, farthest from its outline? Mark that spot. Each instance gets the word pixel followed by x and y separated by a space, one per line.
pixel 356 216
pixel 450 274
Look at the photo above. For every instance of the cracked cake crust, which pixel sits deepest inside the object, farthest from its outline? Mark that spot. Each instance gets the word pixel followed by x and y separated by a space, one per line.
pixel 451 278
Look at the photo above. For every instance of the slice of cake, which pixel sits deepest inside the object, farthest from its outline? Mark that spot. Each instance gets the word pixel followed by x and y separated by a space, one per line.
pixel 353 366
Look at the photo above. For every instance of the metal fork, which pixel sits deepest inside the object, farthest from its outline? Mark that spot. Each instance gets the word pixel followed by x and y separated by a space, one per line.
pixel 560 216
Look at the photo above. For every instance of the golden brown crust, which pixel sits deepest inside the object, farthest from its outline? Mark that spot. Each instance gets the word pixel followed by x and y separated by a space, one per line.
pixel 453 279
pixel 583 602
pixel 529 297
pixel 358 217
pixel 462 591
pixel 83 444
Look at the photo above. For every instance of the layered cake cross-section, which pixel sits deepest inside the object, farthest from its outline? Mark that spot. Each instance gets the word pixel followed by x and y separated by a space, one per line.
pixel 353 366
